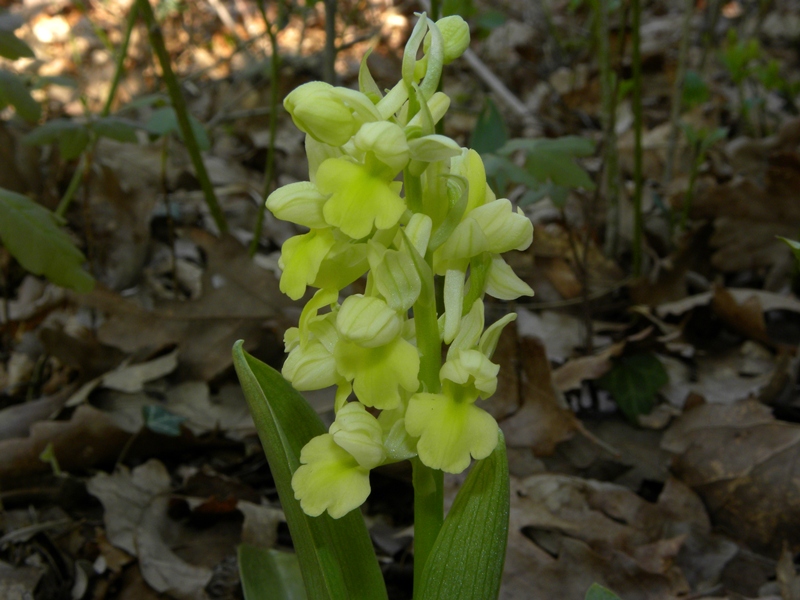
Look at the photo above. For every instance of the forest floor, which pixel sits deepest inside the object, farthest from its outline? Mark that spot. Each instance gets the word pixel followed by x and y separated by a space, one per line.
pixel 652 421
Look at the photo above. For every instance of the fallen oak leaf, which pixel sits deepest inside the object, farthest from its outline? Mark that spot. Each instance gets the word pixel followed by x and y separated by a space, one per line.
pixel 745 464
pixel 136 504
pixel 88 440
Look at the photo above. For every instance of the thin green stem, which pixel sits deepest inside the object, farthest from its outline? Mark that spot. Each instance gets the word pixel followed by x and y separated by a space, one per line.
pixel 182 114
pixel 677 92
pixel 428 516
pixel 269 174
pixel 638 222
pixel 428 483
pixel 77 176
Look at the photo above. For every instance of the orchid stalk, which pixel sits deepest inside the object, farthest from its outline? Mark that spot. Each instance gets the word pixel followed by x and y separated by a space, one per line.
pixel 390 200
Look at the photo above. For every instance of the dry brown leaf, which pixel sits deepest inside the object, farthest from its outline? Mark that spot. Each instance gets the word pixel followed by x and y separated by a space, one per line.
pixel 767 300
pixel 88 440
pixel 136 504
pixel 587 531
pixel 131 378
pixel 744 464
pixel 239 297
pixel 19 583
pixel 573 373
pixel 747 318
pixel 542 421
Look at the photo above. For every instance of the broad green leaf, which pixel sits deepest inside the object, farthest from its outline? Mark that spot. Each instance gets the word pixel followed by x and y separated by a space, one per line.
pixel 146 101
pixel 490 133
pixel 491 19
pixel 13 91
pixel 32 235
pixel 633 382
pixel 795 246
pixel 559 168
pixel 598 592
pixel 270 574
pixel 72 137
pixel 462 8
pixel 553 160
pixel 336 555
pixel 164 121
pixel 159 420
pixel 50 132
pixel 570 144
pixel 12 47
pixel 695 90
pixel 116 128
pixel 42 81
pixel 466 562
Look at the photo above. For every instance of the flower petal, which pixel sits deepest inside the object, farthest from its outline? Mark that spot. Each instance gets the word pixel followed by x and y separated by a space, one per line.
pixel 449 431
pixel 329 479
pixel 358 199
pixel 379 373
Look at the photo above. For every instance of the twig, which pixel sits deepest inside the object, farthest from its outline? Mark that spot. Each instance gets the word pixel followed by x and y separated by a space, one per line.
pixel 224 15
pixel 182 114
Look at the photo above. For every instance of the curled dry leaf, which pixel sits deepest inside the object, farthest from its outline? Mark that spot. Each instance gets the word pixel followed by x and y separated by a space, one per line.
pixel 239 297
pixel 88 440
pixel 744 464
pixel 542 420
pixel 567 533
pixel 136 504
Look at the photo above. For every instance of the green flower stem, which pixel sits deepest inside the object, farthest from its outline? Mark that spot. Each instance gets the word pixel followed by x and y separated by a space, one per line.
pixel 428 515
pixel 77 176
pixel 428 483
pixel 413 191
pixel 182 113
pixel 275 63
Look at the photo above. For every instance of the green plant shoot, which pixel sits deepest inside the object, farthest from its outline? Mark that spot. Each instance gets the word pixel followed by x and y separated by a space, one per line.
pixel 396 399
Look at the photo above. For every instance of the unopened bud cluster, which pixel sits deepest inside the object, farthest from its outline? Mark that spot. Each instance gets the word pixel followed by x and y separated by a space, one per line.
pixel 441 220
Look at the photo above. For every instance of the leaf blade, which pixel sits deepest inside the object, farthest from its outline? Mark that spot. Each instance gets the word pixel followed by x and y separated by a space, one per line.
pixel 270 574
pixel 336 556
pixel 466 562
pixel 31 234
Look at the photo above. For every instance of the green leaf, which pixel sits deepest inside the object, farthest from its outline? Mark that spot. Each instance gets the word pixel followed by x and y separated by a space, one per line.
pixel 490 131
pixel 554 159
pixel 160 420
pixel 42 81
pixel 116 128
pixel 570 144
pixel 164 121
pixel 695 89
pixel 32 235
pixel 336 555
pixel 633 382
pixel 72 137
pixel 491 19
pixel 13 91
pixel 466 562
pixel 12 47
pixel 794 245
pixel 598 592
pixel 270 574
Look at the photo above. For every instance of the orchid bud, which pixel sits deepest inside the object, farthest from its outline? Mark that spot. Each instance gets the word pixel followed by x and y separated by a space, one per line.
pixel 455 33
pixel 317 110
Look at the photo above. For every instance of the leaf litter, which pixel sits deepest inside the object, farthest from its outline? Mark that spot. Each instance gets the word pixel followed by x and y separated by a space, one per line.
pixel 129 387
